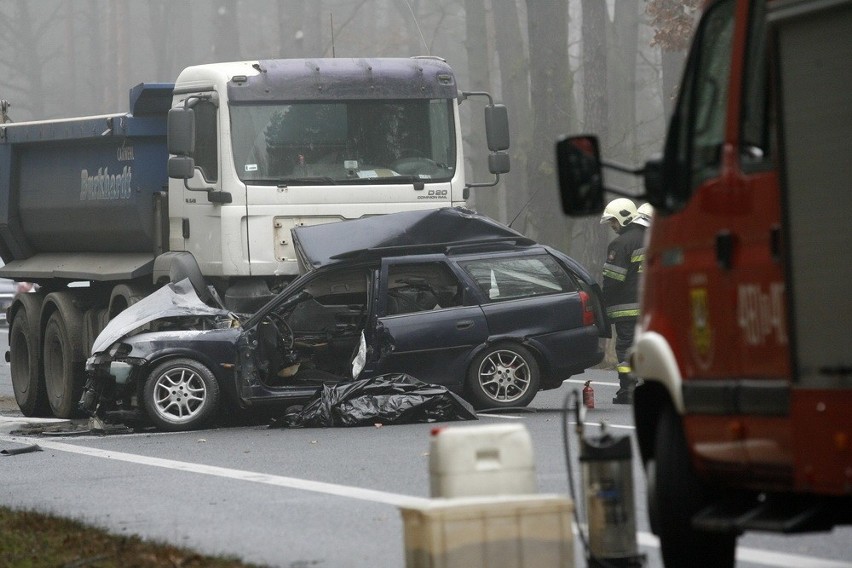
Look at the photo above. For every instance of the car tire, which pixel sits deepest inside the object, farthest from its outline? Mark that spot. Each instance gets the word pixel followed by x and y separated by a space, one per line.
pixel 63 379
pixel 27 381
pixel 679 494
pixel 180 394
pixel 503 375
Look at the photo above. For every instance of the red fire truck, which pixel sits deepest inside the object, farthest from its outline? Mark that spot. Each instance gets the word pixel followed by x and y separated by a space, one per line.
pixel 744 344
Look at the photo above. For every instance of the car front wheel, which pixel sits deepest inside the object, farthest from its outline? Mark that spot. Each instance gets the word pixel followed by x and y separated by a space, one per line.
pixel 503 375
pixel 181 394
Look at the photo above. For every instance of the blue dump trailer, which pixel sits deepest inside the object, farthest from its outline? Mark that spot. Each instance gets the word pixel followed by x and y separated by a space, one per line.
pixel 86 185
pixel 83 201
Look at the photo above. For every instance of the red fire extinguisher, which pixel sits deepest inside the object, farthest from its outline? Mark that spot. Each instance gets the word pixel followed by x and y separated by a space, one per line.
pixel 588 395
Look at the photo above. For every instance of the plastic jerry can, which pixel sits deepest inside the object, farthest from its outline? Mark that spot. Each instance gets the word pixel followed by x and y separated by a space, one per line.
pixel 494 459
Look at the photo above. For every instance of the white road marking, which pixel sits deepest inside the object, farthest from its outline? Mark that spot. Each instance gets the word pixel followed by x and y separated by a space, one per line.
pixel 744 554
pixel 243 475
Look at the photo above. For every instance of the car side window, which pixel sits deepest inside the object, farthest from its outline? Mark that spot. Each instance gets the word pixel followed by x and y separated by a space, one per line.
pixel 519 277
pixel 417 287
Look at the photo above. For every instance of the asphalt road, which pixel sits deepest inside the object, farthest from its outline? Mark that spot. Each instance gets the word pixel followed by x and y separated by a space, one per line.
pixel 307 497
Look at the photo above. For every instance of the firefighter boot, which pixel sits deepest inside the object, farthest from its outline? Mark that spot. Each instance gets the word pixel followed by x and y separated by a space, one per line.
pixel 626 384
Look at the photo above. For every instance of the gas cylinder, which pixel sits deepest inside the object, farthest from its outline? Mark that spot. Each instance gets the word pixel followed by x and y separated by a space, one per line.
pixel 608 488
pixel 588 395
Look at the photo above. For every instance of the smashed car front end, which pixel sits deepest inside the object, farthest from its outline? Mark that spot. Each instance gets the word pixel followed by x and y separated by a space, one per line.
pixel 115 376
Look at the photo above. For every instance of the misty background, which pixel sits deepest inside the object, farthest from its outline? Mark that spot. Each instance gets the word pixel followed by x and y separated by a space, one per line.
pixel 608 67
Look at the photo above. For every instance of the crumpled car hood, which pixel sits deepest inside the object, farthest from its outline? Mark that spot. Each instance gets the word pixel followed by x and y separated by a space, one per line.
pixel 172 300
pixel 408 231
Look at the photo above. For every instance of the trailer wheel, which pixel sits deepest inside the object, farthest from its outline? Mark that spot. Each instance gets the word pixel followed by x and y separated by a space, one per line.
pixel 27 382
pixel 503 375
pixel 181 394
pixel 63 379
pixel 678 494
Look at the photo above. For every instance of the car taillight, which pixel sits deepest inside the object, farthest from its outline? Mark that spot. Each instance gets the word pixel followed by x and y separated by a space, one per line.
pixel 588 311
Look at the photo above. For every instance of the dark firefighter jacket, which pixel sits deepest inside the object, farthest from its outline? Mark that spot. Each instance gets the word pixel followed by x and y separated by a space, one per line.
pixel 624 258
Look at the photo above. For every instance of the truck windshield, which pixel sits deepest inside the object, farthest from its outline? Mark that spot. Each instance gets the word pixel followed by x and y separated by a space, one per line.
pixel 352 142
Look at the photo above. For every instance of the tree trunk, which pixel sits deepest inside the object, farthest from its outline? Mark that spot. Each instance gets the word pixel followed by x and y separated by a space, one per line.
pixel 226 36
pixel 515 79
pixel 479 78
pixel 549 82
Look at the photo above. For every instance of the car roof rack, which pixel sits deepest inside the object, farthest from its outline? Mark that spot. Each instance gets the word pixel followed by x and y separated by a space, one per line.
pixel 452 247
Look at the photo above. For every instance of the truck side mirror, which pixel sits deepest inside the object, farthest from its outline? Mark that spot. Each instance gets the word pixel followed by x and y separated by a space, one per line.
pixel 580 179
pixel 181 131
pixel 498 163
pixel 181 167
pixel 497 128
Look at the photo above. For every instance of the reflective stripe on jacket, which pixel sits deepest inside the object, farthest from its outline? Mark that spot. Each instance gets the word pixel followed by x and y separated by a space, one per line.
pixel 624 259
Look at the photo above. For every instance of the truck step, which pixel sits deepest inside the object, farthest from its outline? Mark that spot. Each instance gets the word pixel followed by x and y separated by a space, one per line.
pixel 783 514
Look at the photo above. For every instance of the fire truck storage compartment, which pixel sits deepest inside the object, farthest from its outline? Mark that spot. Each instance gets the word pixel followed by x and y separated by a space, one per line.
pixel 814 51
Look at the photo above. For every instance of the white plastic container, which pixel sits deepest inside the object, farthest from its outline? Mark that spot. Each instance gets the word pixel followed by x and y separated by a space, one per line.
pixel 523 531
pixel 494 459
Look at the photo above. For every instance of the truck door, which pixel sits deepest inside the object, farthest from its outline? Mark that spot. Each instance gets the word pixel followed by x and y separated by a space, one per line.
pixel 210 231
pixel 694 257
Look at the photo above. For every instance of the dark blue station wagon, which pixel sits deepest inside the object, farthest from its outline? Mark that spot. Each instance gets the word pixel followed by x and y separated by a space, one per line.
pixel 447 296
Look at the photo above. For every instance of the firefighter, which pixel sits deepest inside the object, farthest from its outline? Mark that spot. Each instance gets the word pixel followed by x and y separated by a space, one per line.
pixel 624 258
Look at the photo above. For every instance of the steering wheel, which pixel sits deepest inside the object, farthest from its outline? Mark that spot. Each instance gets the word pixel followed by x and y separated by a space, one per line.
pixel 414 165
pixel 283 329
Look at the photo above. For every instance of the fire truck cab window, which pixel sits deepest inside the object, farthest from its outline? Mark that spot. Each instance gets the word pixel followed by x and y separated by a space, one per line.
pixel 709 96
pixel 755 148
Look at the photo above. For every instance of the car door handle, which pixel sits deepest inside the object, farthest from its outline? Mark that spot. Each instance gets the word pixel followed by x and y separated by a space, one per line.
pixel 464 324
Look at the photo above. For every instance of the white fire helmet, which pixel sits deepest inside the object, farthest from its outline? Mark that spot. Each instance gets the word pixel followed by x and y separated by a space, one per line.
pixel 644 214
pixel 622 210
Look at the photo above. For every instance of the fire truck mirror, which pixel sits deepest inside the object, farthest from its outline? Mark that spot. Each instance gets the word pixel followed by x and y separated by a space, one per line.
pixel 580 181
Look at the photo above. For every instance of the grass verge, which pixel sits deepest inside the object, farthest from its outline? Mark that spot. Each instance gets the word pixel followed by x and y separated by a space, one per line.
pixel 34 540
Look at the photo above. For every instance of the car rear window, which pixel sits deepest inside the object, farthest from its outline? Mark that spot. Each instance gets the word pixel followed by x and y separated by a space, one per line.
pixel 509 278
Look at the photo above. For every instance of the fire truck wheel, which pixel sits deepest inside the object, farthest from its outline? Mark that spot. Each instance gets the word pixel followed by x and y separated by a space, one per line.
pixel 503 375
pixel 679 494
pixel 27 382
pixel 180 394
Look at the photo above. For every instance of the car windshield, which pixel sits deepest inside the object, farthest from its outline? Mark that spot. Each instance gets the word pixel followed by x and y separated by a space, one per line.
pixel 352 142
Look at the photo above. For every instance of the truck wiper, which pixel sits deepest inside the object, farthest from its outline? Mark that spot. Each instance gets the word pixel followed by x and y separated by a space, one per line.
pixel 318 180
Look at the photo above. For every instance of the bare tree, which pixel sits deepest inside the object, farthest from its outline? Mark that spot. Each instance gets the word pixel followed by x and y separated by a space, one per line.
pixel 23 56
pixel 226 36
pixel 476 46
pixel 674 23
pixel 515 82
pixel 547 24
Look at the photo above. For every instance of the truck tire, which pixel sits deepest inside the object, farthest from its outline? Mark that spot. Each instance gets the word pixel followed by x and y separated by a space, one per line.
pixel 503 375
pixel 63 378
pixel 678 494
pixel 180 394
pixel 27 380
